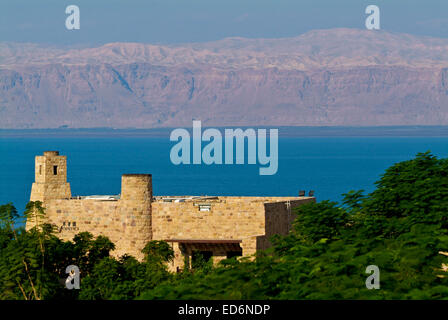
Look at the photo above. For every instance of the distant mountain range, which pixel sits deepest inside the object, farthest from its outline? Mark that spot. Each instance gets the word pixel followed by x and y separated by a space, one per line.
pixel 323 77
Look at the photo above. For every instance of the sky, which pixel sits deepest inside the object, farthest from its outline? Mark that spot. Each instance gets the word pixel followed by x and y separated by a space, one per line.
pixel 179 21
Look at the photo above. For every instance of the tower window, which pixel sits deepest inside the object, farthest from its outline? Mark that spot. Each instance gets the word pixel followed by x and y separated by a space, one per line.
pixel 40 169
pixel 55 170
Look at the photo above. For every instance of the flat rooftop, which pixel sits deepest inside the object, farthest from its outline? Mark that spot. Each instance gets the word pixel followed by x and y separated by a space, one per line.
pixel 177 199
pixel 223 198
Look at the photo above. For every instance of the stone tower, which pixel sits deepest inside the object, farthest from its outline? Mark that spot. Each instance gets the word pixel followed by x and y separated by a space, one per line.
pixel 50 178
pixel 136 213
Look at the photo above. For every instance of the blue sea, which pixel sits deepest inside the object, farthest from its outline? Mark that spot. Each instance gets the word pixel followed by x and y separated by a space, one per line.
pixel 330 165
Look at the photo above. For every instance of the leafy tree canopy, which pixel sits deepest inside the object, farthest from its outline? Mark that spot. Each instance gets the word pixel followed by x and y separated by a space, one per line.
pixel 401 227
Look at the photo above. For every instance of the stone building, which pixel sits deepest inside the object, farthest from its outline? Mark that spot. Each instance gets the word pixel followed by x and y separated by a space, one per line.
pixel 217 227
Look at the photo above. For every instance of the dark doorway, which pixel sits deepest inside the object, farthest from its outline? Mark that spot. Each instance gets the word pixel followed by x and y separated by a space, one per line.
pixel 200 258
pixel 231 254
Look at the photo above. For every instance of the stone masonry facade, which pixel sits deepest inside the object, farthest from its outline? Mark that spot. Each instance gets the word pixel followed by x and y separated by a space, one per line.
pixel 217 227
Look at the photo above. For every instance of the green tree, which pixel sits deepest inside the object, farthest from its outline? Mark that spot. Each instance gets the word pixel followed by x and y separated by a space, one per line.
pixel 401 227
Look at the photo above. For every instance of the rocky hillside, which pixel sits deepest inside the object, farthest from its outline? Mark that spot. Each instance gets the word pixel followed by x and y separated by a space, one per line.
pixel 324 77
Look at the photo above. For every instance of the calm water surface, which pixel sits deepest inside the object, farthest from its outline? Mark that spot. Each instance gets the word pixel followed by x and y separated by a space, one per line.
pixel 330 166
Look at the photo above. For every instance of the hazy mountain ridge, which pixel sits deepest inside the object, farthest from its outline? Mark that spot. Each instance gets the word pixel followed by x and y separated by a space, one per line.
pixel 323 77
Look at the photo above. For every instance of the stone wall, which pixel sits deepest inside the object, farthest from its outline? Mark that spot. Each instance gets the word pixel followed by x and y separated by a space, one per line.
pixel 228 218
pixel 131 222
pixel 127 224
pixel 242 224
pixel 280 215
pixel 249 219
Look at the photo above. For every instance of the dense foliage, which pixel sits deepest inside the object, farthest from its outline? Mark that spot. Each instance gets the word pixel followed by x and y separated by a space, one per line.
pixel 401 227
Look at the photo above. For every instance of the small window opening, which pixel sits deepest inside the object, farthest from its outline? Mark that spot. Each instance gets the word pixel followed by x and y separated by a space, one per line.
pixel 40 169
pixel 74 224
pixel 205 207
pixel 55 170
